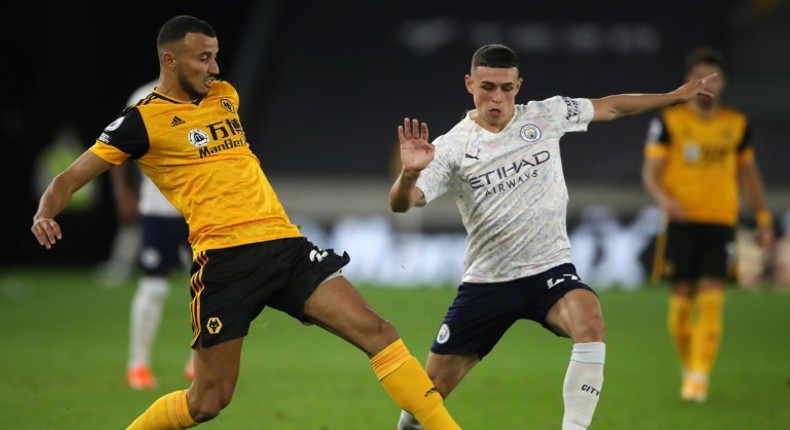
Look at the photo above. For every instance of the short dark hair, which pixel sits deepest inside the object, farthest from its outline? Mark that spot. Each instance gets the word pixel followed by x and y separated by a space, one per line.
pixel 176 29
pixel 704 55
pixel 495 55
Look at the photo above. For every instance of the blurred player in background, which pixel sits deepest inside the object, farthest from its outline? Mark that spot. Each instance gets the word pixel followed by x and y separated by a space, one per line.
pixel 125 251
pixel 188 138
pixel 164 248
pixel 695 156
pixel 502 164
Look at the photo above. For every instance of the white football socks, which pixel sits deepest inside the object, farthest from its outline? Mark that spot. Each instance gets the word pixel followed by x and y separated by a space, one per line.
pixel 146 313
pixel 580 391
pixel 582 385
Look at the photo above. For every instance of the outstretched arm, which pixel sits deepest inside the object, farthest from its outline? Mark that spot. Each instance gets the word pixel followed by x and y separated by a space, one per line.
pixel 415 154
pixel 613 107
pixel 59 192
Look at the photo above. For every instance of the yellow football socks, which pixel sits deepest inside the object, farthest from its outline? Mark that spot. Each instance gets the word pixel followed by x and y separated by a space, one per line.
pixel 406 382
pixel 708 330
pixel 681 327
pixel 169 412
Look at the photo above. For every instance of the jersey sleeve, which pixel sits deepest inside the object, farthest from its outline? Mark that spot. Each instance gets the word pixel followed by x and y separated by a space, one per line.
pixel 108 153
pixel 572 114
pixel 745 147
pixel 436 179
pixel 127 133
pixel 657 140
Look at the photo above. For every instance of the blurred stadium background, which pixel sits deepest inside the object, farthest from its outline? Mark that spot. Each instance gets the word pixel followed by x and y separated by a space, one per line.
pixel 324 85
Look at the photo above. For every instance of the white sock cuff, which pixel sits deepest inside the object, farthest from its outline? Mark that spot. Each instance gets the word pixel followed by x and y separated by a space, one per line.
pixel 589 352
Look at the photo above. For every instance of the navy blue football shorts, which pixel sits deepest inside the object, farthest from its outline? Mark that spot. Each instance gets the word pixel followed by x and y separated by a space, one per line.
pixel 165 244
pixel 482 313
pixel 231 286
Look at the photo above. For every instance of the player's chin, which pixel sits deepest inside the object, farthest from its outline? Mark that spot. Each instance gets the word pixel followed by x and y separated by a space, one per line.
pixel 496 117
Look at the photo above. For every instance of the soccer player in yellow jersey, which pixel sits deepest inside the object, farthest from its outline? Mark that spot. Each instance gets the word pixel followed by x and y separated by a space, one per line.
pixel 187 138
pixel 695 156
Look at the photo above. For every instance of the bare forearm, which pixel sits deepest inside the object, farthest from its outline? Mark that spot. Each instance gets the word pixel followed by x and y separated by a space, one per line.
pixel 404 192
pixel 54 199
pixel 613 107
pixel 620 105
pixel 754 190
pixel 654 189
pixel 752 183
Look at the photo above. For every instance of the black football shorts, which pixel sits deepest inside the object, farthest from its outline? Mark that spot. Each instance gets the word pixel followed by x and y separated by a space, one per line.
pixel 695 250
pixel 231 286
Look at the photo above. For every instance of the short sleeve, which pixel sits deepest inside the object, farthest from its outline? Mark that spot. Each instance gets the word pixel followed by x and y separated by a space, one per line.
pixel 127 133
pixel 745 147
pixel 574 114
pixel 657 139
pixel 436 179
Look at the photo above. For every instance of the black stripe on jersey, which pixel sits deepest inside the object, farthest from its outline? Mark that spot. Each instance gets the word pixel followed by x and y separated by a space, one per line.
pixel 156 95
pixel 147 99
pixel 663 138
pixel 142 101
pixel 746 140
pixel 131 136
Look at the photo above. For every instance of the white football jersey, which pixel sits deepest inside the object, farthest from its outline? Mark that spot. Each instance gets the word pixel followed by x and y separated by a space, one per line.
pixel 509 188
pixel 152 201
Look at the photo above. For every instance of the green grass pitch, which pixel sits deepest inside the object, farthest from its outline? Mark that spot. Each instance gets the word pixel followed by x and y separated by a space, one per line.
pixel 65 343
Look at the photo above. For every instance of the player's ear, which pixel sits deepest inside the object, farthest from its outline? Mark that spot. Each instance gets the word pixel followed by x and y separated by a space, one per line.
pixel 469 84
pixel 169 60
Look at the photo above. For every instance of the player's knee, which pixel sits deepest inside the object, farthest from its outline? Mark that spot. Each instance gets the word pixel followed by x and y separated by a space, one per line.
pixel 386 332
pixel 387 329
pixel 378 335
pixel 597 329
pixel 589 329
pixel 206 407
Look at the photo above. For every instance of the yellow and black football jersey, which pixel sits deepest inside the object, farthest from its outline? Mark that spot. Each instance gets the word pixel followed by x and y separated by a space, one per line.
pixel 198 156
pixel 702 158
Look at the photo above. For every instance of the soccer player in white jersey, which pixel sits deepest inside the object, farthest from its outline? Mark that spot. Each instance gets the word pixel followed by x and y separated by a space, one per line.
pixel 164 248
pixel 502 164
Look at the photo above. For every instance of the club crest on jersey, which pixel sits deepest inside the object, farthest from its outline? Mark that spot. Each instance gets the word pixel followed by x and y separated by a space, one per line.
pixel 444 334
pixel 198 138
pixel 227 105
pixel 531 133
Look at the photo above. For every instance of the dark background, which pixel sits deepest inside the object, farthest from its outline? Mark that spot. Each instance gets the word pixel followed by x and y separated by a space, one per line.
pixel 324 85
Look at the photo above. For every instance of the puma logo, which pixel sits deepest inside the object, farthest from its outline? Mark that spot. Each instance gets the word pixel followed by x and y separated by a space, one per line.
pixel 474 157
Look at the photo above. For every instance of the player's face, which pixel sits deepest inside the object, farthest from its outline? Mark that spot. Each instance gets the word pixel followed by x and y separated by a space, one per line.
pixel 197 64
pixel 494 92
pixel 716 86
